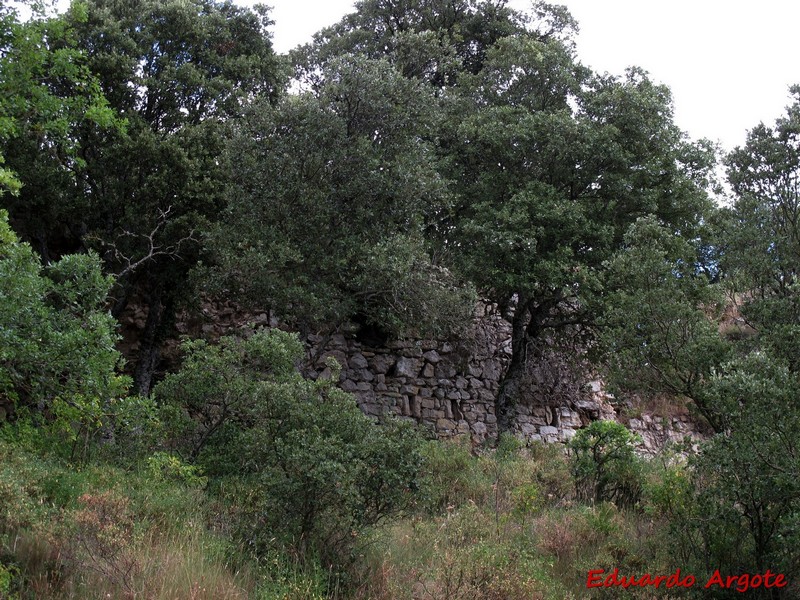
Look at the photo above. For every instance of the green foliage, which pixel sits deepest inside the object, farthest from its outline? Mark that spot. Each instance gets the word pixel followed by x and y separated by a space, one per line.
pixel 57 355
pixel 451 477
pixel 749 478
pixel 102 531
pixel 435 41
pixel 551 165
pixel 759 232
pixel 736 505
pixel 661 327
pixel 503 532
pixel 7 575
pixel 180 73
pixel 47 93
pixel 162 466
pixel 604 464
pixel 333 191
pixel 308 470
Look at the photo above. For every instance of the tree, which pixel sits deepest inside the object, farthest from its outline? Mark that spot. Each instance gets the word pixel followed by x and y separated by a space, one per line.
pixel 180 73
pixel 661 330
pixel 332 190
pixel 434 41
pixel 47 95
pixel 761 232
pixel 552 165
pixel 665 335
pixel 604 463
pixel 547 164
pixel 751 471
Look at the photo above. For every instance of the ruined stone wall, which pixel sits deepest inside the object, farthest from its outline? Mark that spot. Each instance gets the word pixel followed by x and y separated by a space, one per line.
pixel 450 387
pixel 447 386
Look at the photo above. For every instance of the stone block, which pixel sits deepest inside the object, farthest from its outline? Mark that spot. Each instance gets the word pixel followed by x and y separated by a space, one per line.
pixel 445 370
pixel 448 410
pixel 567 434
pixel 445 425
pixel 365 375
pixel 407 367
pixel 474 370
pixel 348 385
pixel 381 363
pixel 432 356
pixel 338 355
pixel 357 361
pixel 416 407
pixel 491 371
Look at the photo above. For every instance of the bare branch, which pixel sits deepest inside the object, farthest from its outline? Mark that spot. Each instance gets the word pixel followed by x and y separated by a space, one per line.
pixel 153 248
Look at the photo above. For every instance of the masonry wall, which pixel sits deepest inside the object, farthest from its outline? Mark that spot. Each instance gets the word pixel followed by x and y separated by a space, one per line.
pixel 448 386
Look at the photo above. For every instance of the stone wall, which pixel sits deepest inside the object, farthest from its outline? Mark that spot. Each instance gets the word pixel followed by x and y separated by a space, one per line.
pixel 450 386
pixel 447 386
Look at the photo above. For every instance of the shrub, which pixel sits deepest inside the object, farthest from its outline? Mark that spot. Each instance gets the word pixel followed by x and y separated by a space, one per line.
pixel 605 465
pixel 102 539
pixel 305 468
pixel 57 355
pixel 452 476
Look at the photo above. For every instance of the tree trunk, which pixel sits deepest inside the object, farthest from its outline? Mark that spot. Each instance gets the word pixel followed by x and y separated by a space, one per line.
pixel 150 342
pixel 527 327
pixel 508 393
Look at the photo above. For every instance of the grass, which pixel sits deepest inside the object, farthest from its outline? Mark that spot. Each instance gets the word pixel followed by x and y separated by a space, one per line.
pixel 499 525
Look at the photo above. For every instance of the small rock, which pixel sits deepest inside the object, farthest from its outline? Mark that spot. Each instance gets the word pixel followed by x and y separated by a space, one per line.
pixel 407 367
pixel 432 357
pixel 357 361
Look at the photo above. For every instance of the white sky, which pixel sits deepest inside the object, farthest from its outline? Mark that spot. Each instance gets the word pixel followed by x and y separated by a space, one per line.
pixel 729 63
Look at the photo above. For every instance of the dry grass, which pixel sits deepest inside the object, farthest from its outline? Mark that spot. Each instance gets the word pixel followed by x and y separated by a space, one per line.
pixel 187 566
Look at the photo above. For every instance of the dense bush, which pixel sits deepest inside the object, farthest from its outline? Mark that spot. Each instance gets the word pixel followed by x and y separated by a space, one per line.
pixel 306 470
pixel 57 356
pixel 604 464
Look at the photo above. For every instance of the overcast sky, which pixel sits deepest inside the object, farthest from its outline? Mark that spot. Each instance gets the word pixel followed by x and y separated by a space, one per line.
pixel 729 63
